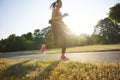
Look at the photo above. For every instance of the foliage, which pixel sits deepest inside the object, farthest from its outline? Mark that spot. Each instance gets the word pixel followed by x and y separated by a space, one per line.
pixel 96 39
pixel 27 41
pixel 38 38
pixel 84 39
pixel 71 38
pixel 114 13
pixel 49 39
pixel 24 69
pixel 106 32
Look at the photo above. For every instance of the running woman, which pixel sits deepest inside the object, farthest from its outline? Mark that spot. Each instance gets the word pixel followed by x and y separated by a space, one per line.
pixel 58 26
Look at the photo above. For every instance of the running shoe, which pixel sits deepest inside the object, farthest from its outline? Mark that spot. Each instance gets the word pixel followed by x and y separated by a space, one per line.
pixel 64 58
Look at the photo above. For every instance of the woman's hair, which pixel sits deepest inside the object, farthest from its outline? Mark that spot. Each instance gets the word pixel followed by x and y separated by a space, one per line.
pixel 54 4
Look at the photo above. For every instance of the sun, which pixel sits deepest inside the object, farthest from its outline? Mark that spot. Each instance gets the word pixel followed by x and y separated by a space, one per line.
pixel 82 18
pixel 79 26
pixel 76 31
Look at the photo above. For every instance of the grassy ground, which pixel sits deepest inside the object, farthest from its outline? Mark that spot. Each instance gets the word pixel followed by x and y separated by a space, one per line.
pixel 91 48
pixel 24 69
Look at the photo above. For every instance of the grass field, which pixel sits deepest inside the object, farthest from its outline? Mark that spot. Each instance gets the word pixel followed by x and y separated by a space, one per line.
pixel 91 48
pixel 24 69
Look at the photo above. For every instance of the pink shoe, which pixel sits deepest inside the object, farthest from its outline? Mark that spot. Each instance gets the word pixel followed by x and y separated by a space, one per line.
pixel 64 58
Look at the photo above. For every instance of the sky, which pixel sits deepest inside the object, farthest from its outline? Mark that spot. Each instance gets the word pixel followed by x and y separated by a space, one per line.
pixel 23 16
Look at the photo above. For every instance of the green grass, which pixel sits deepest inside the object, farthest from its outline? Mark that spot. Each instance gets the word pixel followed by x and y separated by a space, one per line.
pixel 91 48
pixel 95 48
pixel 24 69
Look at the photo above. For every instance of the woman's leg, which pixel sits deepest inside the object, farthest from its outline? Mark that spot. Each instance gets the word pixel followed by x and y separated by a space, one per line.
pixel 63 36
pixel 58 31
pixel 55 35
pixel 63 44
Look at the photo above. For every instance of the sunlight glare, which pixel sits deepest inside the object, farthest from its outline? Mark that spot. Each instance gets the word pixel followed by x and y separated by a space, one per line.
pixel 81 24
pixel 83 20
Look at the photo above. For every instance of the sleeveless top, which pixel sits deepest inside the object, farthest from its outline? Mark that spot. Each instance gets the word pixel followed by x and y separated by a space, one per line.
pixel 58 24
pixel 57 21
pixel 59 14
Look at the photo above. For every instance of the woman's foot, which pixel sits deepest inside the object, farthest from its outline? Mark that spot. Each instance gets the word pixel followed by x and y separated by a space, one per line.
pixel 64 58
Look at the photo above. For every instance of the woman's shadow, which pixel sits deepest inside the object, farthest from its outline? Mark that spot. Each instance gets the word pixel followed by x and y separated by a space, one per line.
pixel 47 71
pixel 17 71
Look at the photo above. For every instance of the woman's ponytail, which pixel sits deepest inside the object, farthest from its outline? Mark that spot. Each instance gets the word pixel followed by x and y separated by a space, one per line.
pixel 54 4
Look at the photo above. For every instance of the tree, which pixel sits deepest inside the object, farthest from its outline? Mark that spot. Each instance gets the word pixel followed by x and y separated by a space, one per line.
pixel 46 31
pixel 16 43
pixel 114 13
pixel 49 39
pixel 28 41
pixel 20 43
pixel 10 43
pixel 38 38
pixel 2 45
pixel 108 30
pixel 37 33
pixel 97 39
pixel 71 38
pixel 84 39
pixel 28 36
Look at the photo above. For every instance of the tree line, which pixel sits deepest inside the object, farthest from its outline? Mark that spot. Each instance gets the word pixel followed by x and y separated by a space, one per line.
pixel 106 31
